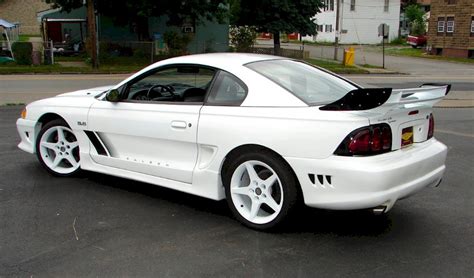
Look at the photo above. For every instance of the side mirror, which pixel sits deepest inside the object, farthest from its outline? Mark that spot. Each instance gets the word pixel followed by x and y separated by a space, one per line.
pixel 113 96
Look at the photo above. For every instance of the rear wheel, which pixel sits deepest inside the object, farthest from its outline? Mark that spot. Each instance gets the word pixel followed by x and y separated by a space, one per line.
pixel 261 189
pixel 57 149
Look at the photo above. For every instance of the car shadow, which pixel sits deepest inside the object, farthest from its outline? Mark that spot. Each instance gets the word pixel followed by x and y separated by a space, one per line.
pixel 303 220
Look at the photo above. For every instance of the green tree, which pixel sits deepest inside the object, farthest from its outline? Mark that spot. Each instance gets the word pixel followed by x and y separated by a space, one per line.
pixel 416 20
pixel 275 16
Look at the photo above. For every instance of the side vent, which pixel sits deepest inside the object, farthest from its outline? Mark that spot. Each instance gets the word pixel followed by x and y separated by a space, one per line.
pixel 320 179
pixel 96 142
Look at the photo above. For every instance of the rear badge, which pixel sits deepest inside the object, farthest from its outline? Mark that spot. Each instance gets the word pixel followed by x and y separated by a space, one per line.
pixel 407 136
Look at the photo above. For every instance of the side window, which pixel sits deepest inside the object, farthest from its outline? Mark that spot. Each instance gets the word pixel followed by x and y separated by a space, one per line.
pixel 227 90
pixel 172 84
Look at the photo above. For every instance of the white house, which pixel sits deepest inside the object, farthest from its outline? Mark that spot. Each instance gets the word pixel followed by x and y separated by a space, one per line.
pixel 358 21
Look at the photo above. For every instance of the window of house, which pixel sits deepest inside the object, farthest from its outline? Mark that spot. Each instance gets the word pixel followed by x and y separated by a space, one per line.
pixel 385 5
pixel 319 27
pixel 472 26
pixel 440 25
pixel 353 5
pixel 449 26
pixel 328 5
pixel 328 28
pixel 451 2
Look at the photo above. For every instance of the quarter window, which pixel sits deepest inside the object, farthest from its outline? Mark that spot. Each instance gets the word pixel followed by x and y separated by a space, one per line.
pixel 227 90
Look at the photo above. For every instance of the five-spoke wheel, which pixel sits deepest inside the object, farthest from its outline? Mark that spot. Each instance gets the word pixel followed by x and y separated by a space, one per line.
pixel 57 148
pixel 260 189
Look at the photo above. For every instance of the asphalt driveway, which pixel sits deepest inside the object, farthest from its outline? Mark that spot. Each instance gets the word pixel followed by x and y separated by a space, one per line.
pixel 96 225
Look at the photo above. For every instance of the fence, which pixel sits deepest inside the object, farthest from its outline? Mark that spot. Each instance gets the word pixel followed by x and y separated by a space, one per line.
pixel 146 52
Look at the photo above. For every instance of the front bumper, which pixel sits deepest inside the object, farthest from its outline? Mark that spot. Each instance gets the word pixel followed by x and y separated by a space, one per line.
pixel 346 183
pixel 28 130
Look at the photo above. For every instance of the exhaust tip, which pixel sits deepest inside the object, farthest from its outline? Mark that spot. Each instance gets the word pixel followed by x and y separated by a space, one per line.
pixel 379 210
pixel 438 183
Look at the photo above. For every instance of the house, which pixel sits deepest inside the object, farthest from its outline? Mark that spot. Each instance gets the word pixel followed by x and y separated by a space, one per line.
pixel 451 28
pixel 23 12
pixel 358 21
pixel 60 26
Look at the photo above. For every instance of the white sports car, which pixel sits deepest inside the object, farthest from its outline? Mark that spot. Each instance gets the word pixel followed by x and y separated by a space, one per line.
pixel 264 132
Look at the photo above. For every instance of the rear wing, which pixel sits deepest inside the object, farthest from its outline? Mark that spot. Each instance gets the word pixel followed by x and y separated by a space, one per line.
pixel 364 99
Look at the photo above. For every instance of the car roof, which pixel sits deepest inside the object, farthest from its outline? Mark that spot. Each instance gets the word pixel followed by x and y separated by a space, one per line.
pixel 222 60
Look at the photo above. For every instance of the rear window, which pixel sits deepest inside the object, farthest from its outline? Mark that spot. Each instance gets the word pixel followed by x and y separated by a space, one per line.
pixel 310 84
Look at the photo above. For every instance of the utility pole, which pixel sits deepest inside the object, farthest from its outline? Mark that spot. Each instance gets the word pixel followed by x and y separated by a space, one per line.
pixel 92 30
pixel 336 42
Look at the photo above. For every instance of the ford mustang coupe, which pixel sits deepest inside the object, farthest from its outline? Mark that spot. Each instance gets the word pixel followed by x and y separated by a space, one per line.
pixel 263 132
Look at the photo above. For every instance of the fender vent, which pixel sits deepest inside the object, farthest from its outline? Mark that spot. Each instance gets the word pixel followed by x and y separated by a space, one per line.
pixel 321 179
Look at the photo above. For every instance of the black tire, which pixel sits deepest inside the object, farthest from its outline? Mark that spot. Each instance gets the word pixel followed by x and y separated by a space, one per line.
pixel 289 184
pixel 44 129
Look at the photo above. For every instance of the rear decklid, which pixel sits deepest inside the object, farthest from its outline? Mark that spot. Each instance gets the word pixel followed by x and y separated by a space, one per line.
pixel 406 111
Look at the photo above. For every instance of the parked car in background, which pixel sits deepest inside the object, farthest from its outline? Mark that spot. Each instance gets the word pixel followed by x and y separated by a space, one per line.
pixel 263 132
pixel 417 41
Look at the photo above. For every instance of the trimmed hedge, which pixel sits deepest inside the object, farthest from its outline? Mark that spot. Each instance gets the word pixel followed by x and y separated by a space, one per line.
pixel 23 52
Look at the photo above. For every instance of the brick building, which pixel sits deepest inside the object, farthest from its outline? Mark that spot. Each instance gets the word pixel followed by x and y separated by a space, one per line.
pixel 451 28
pixel 24 12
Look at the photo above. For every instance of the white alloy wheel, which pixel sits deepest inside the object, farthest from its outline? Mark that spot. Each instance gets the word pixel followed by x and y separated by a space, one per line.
pixel 256 192
pixel 58 149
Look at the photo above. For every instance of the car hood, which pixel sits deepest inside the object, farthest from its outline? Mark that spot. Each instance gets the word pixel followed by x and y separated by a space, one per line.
pixel 92 92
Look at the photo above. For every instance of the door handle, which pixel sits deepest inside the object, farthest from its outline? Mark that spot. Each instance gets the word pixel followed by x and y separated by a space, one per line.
pixel 178 124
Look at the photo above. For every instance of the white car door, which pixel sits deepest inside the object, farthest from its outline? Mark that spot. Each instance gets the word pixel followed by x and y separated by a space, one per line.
pixel 153 128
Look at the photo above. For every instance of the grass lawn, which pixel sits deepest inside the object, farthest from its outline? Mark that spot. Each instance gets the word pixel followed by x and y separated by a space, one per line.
pixel 46 69
pixel 26 37
pixel 418 52
pixel 336 67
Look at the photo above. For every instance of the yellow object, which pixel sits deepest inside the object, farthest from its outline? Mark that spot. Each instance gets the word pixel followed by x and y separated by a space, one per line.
pixel 407 136
pixel 349 57
pixel 23 113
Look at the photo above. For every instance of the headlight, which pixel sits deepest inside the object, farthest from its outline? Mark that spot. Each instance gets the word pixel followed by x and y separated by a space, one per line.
pixel 23 113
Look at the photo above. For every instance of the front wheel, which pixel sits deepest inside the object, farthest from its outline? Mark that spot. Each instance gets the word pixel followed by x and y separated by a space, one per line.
pixel 261 189
pixel 57 149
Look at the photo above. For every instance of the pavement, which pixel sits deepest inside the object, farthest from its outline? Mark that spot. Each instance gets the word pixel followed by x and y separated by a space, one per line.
pixel 100 226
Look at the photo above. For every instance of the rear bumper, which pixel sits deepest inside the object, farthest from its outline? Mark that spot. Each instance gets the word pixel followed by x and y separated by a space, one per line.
pixel 27 130
pixel 346 183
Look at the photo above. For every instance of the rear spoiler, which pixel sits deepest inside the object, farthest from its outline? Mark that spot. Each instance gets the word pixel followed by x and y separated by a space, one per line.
pixel 364 99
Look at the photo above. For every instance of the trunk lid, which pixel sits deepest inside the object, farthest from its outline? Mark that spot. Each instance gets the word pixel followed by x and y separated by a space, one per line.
pixel 406 111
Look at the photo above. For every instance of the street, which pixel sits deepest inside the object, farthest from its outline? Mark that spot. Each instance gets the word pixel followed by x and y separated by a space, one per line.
pixel 97 225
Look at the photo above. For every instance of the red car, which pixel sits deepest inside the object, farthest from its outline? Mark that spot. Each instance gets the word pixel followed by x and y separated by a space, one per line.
pixel 416 41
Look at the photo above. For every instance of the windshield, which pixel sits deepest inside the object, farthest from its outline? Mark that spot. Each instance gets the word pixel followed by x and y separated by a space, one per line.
pixel 312 85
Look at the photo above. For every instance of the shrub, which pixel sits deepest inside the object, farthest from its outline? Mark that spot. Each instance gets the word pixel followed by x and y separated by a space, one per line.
pixel 242 37
pixel 177 44
pixel 23 53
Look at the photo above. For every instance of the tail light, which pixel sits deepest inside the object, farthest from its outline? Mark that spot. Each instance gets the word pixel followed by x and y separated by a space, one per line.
pixel 369 140
pixel 431 127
